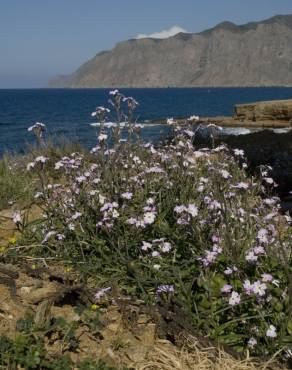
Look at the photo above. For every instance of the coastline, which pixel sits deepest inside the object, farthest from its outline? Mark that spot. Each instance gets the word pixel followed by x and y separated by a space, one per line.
pixel 229 121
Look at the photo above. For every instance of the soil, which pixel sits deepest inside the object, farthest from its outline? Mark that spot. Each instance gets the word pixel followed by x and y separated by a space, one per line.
pixel 48 294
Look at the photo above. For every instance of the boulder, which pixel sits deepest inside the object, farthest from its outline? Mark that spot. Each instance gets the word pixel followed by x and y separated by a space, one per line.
pixel 280 110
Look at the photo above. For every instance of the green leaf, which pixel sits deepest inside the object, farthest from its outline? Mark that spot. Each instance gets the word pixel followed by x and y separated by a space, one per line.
pixel 289 327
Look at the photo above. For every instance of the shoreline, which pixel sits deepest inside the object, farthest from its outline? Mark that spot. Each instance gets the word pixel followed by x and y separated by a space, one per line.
pixel 228 121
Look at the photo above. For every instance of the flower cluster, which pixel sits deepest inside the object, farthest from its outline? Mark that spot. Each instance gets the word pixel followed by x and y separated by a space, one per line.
pixel 175 222
pixel 38 129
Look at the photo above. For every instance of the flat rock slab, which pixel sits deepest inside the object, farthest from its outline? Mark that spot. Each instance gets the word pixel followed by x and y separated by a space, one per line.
pixel 280 110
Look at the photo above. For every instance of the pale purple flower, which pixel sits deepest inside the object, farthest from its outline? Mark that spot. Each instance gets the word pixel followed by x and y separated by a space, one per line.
pixel 48 236
pixel 259 250
pixel 38 194
pixel 114 92
pixel 189 133
pixel 228 271
pixel 276 283
pixel 238 152
pixel 155 169
pixel 215 238
pixel 30 165
pixel 180 209
pixel 101 199
pixel 157 241
pixel 102 137
pixel 252 342
pixel 16 218
pixel 155 254
pixel 59 165
pixel 247 286
pixel 251 256
pixel 217 249
pixel 192 210
pixel 165 289
pixel 95 149
pixel 227 288
pixel 271 332
pixel 263 236
pixel 214 204
pixel 36 125
pixel 102 110
pixel 150 201
pixel 210 256
pixel 132 221
pixel 115 214
pixel 132 103
pixel 76 215
pixel 80 179
pixel 102 292
pixel 146 246
pixel 269 180
pixel 267 278
pixel 259 288
pixel 127 195
pixel 234 299
pixel 241 185
pixel 194 118
pixel 41 159
pixel 166 247
pixel 149 218
pixel 270 201
pixel 225 174
pixel 182 221
pixel 38 128
pixel 200 188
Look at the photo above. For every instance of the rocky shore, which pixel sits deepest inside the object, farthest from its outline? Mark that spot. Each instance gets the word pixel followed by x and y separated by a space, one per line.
pixel 262 145
pixel 265 114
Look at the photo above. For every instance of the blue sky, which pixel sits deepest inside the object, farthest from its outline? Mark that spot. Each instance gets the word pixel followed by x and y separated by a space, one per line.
pixel 43 38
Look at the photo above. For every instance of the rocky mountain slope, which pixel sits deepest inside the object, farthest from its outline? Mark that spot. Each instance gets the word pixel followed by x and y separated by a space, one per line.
pixel 254 54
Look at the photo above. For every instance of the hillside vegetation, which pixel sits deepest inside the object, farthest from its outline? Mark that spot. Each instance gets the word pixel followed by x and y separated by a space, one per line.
pixel 180 235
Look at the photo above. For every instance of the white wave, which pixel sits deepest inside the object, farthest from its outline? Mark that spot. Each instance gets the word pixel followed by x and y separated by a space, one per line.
pixel 236 131
pixel 281 130
pixel 123 124
pixel 108 124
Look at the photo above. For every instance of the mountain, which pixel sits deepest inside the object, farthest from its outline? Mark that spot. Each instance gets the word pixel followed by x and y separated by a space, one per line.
pixel 254 54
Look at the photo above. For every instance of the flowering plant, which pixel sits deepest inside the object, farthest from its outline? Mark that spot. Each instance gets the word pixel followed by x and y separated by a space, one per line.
pixel 173 222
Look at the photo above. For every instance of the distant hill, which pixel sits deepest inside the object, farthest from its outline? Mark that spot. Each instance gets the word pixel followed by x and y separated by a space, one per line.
pixel 254 54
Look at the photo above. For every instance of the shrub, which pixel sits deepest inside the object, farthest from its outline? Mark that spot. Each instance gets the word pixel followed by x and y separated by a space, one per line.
pixel 173 223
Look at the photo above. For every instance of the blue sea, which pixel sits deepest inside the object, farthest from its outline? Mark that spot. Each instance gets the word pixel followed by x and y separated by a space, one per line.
pixel 67 112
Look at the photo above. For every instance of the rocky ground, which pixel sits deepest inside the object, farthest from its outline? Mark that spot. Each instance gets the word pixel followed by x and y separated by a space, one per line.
pixel 122 332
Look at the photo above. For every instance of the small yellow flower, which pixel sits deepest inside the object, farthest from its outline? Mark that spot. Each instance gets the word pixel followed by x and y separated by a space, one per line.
pixel 12 240
pixel 94 307
pixel 68 269
pixel 33 266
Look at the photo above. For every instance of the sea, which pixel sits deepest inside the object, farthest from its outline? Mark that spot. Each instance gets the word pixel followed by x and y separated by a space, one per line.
pixel 67 112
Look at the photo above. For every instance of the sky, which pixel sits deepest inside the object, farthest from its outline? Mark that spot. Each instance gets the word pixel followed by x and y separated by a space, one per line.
pixel 40 39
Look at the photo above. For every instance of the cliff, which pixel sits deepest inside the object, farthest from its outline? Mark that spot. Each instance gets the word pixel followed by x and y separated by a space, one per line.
pixel 254 54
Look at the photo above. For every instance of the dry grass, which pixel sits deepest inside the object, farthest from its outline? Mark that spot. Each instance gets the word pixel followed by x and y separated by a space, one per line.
pixel 165 356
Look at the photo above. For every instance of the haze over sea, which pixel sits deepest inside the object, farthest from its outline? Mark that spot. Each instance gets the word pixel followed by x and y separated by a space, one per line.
pixel 67 112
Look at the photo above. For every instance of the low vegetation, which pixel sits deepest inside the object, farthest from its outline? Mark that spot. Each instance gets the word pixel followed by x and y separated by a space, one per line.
pixel 169 225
